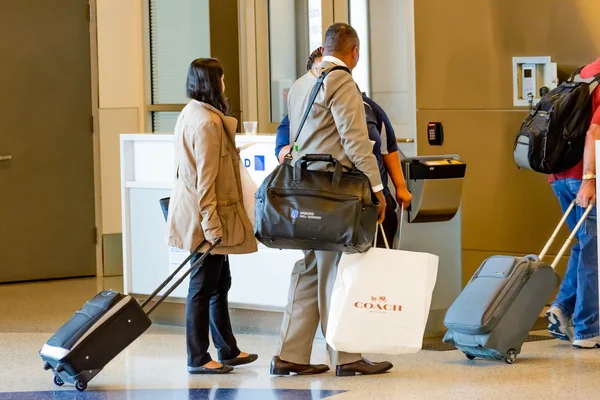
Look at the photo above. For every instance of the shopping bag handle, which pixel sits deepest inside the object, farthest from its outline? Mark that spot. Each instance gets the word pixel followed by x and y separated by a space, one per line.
pixel 399 234
pixel 401 224
pixel 380 227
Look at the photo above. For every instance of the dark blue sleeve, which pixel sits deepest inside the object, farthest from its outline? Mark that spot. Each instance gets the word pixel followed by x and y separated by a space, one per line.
pixel 282 138
pixel 392 145
pixel 389 141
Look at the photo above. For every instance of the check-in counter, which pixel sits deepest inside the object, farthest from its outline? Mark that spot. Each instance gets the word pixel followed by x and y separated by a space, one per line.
pixel 433 225
pixel 260 280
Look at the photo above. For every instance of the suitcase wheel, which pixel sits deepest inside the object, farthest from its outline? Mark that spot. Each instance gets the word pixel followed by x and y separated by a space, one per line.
pixel 80 386
pixel 469 356
pixel 58 381
pixel 511 356
pixel 47 366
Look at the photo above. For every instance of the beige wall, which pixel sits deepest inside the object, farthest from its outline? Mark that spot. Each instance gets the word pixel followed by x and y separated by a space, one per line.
pixel 464 50
pixel 121 94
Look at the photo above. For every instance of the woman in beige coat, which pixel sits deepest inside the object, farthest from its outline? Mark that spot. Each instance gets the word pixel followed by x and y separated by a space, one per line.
pixel 206 203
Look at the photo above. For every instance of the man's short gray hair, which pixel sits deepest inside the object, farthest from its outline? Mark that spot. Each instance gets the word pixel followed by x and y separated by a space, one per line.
pixel 340 38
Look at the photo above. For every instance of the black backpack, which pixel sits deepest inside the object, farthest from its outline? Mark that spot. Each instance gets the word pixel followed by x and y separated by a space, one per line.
pixel 552 137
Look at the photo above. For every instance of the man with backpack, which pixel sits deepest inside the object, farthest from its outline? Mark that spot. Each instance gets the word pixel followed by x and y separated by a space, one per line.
pixel 578 295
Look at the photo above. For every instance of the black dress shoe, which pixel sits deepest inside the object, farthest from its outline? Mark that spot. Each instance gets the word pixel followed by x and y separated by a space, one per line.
pixel 363 367
pixel 280 367
pixel 235 362
pixel 225 369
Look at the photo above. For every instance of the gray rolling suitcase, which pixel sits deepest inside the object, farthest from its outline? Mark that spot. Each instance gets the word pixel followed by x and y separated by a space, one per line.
pixel 493 315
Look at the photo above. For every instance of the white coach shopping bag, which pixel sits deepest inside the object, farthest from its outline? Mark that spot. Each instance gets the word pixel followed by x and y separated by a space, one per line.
pixel 380 301
pixel 249 189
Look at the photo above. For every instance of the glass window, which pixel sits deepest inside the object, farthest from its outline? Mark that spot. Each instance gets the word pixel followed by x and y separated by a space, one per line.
pixel 315 25
pixel 164 121
pixel 179 33
pixel 359 19
pixel 295 30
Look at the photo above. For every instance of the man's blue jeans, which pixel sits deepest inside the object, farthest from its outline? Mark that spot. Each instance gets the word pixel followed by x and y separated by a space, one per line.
pixel 578 295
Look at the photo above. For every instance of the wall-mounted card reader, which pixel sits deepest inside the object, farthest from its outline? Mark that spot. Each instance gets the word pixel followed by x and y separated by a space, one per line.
pixel 530 76
pixel 529 81
pixel 435 133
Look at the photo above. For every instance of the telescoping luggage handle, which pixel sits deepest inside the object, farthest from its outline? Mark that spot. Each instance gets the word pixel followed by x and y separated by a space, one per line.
pixel 571 236
pixel 182 278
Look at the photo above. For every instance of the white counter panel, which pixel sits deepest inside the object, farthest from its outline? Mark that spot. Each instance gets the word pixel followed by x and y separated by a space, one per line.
pixel 153 162
pixel 259 280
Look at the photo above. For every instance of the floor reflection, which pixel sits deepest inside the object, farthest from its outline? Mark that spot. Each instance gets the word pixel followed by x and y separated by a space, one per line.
pixel 176 394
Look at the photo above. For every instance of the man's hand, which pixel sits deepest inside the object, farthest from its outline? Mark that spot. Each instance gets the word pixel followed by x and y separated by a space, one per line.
pixel 283 152
pixel 587 193
pixel 382 205
pixel 403 197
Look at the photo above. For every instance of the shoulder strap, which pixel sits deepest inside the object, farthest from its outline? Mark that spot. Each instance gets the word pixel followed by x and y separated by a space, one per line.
pixel 594 83
pixel 574 75
pixel 591 82
pixel 311 101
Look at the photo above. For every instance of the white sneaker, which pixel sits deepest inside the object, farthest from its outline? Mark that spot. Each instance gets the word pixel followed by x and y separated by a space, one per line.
pixel 592 343
pixel 558 324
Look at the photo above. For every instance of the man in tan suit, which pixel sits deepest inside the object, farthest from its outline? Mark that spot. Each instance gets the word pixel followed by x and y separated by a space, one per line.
pixel 336 125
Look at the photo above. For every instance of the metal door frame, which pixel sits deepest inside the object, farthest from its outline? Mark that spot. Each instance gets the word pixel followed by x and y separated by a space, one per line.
pixel 96 135
pixel 255 57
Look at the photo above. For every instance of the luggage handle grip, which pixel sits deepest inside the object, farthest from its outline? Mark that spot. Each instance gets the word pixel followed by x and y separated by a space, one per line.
pixel 569 240
pixel 319 157
pixel 174 286
pixel 302 164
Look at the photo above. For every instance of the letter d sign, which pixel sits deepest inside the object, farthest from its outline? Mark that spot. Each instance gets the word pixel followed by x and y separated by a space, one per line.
pixel 246 162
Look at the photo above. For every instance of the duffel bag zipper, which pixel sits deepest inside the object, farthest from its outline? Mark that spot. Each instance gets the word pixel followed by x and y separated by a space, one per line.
pixel 314 193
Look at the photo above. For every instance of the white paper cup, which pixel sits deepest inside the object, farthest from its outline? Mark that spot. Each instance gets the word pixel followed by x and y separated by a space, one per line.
pixel 250 127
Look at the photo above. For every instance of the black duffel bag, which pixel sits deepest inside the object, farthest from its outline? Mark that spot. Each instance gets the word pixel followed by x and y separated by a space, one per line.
pixel 298 208
pixel 302 209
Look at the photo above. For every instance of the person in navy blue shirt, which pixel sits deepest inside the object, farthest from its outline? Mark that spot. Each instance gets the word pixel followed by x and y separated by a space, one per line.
pixel 385 149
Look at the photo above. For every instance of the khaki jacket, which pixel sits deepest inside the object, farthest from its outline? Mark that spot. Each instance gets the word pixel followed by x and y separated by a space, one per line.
pixel 336 123
pixel 206 200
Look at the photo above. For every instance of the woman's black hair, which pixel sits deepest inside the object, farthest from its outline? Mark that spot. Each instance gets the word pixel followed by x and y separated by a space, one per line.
pixel 204 83
pixel 317 53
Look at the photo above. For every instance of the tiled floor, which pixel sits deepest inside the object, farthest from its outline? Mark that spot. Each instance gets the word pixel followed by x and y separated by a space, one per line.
pixel 154 367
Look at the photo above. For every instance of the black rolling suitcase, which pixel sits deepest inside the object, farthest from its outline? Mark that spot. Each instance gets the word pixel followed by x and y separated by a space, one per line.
pixel 102 328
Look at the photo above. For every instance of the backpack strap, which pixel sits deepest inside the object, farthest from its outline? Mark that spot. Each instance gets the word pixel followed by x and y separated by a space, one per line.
pixel 591 82
pixel 575 74
pixel 594 83
pixel 311 102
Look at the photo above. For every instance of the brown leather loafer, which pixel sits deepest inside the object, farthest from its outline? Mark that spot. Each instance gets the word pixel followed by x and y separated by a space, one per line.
pixel 280 367
pixel 363 367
